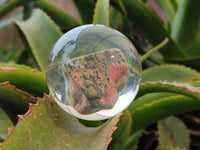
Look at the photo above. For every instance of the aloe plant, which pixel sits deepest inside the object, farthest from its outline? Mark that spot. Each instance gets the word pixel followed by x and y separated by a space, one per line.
pixel 165 113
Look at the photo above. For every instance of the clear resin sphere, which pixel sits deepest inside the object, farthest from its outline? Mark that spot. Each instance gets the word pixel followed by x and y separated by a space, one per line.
pixel 93 72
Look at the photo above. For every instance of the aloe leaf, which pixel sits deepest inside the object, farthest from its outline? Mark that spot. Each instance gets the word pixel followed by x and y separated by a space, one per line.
pixel 152 28
pixel 161 108
pixel 13 66
pixel 186 31
pixel 47 126
pixel 101 12
pixel 194 83
pixel 5 122
pixel 131 143
pixel 170 73
pixel 178 88
pixel 14 101
pixel 148 98
pixel 169 148
pixel 85 9
pixel 62 18
pixel 160 105
pixel 173 133
pixel 115 18
pixel 28 81
pixel 119 5
pixel 170 8
pixel 122 133
pixel 42 36
pixel 12 4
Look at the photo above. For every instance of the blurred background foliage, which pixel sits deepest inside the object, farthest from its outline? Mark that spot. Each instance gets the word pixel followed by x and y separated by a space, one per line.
pixel 164 116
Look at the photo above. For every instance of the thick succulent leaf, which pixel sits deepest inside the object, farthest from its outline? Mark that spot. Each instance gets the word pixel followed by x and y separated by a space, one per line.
pixel 132 142
pixel 12 4
pixel 85 9
pixel 148 98
pixel 194 83
pixel 173 133
pixel 5 123
pixel 101 12
pixel 186 31
pixel 115 18
pixel 170 8
pixel 178 88
pixel 170 73
pixel 30 81
pixel 161 108
pixel 62 18
pixel 41 34
pixel 13 66
pixel 152 28
pixel 160 105
pixel 121 135
pixel 14 101
pixel 47 126
pixel 169 148
pixel 120 6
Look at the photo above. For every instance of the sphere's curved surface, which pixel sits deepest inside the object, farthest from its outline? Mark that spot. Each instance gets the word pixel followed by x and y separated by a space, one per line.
pixel 93 72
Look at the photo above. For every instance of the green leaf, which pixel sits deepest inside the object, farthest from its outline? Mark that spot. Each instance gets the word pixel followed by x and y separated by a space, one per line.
pixel 170 7
pixel 131 143
pixel 101 12
pixel 47 126
pixel 13 66
pixel 161 108
pixel 179 88
pixel 85 9
pixel 27 80
pixel 186 31
pixel 41 34
pixel 173 133
pixel 170 73
pixel 62 18
pixel 119 5
pixel 122 133
pixel 169 148
pixel 5 123
pixel 148 98
pixel 115 18
pixel 160 105
pixel 14 101
pixel 152 28
pixel 12 4
pixel 194 83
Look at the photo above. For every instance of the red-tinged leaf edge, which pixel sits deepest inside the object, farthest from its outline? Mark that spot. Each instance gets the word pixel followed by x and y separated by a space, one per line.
pixel 21 118
pixel 12 66
pixel 14 101
pixel 179 88
pixel 18 91
pixel 161 108
pixel 34 83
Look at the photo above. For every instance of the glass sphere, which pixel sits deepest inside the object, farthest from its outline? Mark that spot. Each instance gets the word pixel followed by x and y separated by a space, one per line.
pixel 93 72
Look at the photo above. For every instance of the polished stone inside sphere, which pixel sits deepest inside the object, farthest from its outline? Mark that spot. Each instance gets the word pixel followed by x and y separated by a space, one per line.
pixel 93 72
